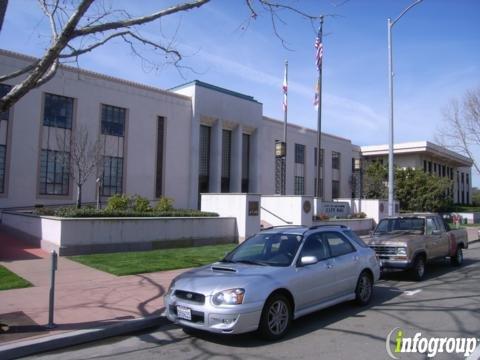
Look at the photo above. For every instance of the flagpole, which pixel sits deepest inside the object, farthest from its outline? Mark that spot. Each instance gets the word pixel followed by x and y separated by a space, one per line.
pixel 285 112
pixel 319 193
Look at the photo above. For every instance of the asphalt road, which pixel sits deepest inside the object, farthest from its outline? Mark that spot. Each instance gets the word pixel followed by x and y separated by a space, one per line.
pixel 446 304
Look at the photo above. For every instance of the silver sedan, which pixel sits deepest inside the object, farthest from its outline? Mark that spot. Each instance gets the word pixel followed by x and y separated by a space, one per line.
pixel 274 277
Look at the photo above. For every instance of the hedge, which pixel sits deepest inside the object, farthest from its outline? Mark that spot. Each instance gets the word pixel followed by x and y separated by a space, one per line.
pixel 89 212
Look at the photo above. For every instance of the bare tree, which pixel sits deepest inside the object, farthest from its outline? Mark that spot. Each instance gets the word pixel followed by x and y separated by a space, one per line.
pixel 81 156
pixel 78 27
pixel 460 130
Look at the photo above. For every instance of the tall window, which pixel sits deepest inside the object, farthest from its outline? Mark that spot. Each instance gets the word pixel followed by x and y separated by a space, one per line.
pixel 112 175
pixel 54 179
pixel 58 111
pixel 113 120
pixel 299 154
pixel 226 159
pixel 299 185
pixel 299 179
pixel 204 159
pixel 54 165
pixel 335 189
pixel 160 153
pixel 335 160
pixel 245 162
pixel 3 160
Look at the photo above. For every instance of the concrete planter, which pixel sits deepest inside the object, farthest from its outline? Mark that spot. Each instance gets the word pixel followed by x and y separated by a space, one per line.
pixel 71 236
pixel 360 226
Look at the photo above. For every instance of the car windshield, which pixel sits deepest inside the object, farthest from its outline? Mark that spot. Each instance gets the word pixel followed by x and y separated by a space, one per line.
pixel 273 249
pixel 401 225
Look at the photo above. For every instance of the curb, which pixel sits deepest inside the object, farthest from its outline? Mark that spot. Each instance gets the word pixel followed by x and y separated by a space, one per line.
pixel 54 342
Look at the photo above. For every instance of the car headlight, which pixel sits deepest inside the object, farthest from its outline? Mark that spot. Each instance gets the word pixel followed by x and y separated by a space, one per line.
pixel 229 297
pixel 401 251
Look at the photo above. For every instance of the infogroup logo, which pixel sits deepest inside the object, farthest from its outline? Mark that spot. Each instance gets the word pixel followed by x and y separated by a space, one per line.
pixel 397 344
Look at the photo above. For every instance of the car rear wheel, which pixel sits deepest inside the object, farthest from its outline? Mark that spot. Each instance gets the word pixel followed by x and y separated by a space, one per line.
pixel 418 269
pixel 457 259
pixel 364 289
pixel 276 317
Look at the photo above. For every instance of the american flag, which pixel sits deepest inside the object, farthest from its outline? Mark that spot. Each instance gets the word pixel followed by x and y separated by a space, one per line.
pixel 316 100
pixel 318 49
pixel 285 90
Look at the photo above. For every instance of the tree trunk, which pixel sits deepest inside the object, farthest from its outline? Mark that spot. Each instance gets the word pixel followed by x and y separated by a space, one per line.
pixel 79 196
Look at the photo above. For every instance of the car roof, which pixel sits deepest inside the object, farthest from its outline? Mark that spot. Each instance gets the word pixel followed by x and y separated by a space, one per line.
pixel 302 229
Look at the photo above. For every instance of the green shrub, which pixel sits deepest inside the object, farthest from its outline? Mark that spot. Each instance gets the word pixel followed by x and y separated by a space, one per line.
pixel 359 215
pixel 118 202
pixel 140 204
pixel 44 211
pixel 82 213
pixel 164 204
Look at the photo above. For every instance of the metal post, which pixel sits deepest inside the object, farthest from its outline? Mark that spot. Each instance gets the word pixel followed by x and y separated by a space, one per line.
pixel 51 302
pixel 99 184
pixel 391 179
pixel 285 116
pixel 319 121
pixel 390 124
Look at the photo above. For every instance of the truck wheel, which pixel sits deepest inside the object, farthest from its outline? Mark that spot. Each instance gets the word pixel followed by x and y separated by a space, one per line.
pixel 276 317
pixel 457 259
pixel 418 269
pixel 364 289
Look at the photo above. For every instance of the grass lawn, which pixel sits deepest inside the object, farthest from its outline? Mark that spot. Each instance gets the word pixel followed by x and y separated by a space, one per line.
pixel 10 280
pixel 138 262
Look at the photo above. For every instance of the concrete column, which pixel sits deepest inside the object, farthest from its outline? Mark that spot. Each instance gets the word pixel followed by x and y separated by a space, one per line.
pixel 255 156
pixel 194 159
pixel 216 157
pixel 236 160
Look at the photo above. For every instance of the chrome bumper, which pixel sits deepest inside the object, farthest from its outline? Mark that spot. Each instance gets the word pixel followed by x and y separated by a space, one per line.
pixel 233 319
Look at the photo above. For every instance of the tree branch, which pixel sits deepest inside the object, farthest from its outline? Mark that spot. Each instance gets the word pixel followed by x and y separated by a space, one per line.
pixel 114 25
pixel 48 60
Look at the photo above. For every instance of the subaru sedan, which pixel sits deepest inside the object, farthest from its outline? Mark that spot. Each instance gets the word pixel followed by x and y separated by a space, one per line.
pixel 275 276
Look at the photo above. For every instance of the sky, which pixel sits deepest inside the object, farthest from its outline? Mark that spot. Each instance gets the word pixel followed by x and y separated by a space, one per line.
pixel 436 55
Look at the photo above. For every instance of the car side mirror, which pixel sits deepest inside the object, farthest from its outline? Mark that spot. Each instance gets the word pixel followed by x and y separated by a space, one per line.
pixel 308 260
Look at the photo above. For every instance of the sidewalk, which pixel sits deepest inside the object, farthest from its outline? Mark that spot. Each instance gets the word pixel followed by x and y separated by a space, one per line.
pixel 85 298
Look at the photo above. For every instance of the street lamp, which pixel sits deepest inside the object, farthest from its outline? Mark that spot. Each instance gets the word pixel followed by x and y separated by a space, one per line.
pixel 390 24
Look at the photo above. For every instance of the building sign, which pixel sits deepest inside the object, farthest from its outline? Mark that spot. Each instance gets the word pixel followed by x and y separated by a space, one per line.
pixel 253 208
pixel 307 206
pixel 334 208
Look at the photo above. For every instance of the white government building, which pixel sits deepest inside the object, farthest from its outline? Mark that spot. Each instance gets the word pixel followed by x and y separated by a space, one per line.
pixel 178 143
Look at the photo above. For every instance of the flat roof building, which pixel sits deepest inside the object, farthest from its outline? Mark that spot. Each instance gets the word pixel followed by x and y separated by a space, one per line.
pixel 173 143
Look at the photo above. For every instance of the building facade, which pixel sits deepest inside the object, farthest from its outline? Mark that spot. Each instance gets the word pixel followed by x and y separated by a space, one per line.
pixel 192 139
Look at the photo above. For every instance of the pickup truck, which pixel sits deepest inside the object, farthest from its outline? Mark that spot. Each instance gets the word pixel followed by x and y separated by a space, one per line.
pixel 409 242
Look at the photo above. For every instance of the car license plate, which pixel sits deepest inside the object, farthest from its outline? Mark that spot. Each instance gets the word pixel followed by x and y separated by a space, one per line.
pixel 184 313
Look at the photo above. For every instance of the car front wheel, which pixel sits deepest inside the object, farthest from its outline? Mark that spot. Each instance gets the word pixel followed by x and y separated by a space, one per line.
pixel 418 268
pixel 276 317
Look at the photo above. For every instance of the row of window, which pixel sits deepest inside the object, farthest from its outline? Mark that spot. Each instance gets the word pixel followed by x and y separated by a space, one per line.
pixel 204 160
pixel 58 112
pixel 438 169
pixel 55 165
pixel 299 179
pixel 300 156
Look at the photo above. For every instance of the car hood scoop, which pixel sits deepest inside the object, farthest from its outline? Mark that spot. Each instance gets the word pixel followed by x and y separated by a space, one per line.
pixel 223 269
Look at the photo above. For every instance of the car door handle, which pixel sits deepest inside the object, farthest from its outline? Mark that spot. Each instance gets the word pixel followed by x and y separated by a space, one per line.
pixel 329 266
pixel 355 258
